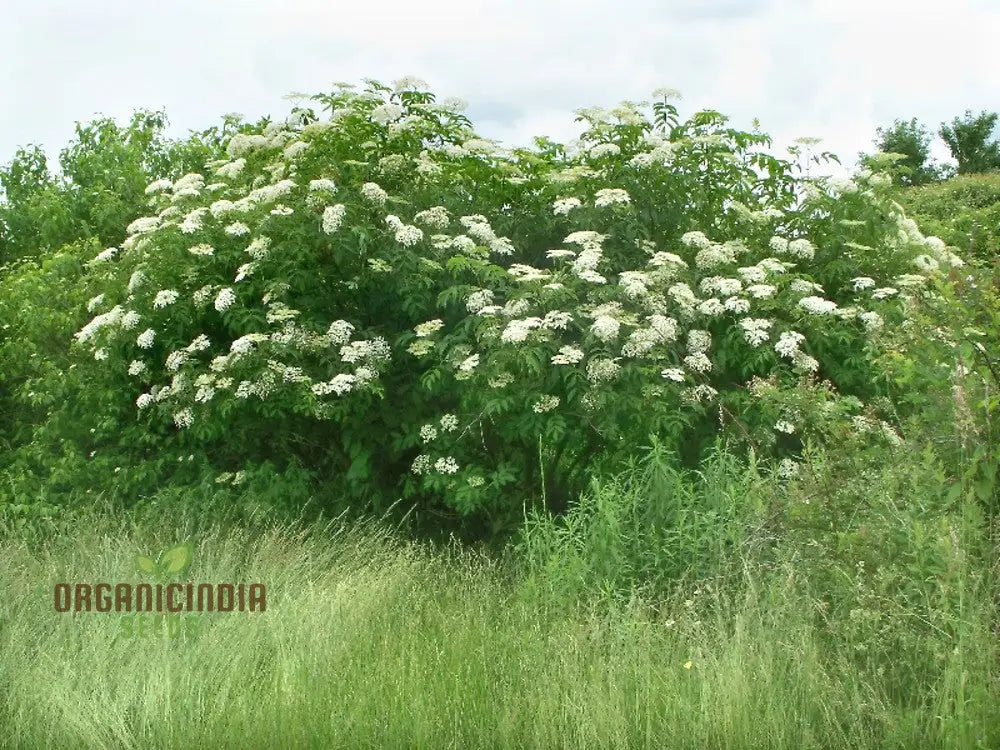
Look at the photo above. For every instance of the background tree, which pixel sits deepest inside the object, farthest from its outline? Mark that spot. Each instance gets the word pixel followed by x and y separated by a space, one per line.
pixel 912 140
pixel 968 138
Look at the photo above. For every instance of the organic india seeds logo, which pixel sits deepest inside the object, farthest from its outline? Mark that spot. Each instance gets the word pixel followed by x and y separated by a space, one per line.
pixel 162 607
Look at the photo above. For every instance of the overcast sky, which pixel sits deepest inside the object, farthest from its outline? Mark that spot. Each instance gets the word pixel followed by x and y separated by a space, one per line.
pixel 833 69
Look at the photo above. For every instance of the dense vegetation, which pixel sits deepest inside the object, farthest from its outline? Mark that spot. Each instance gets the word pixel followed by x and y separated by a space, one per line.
pixel 720 424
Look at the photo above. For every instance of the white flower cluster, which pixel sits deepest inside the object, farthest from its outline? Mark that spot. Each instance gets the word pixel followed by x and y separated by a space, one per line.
pixel 568 355
pixel 478 300
pixel 225 299
pixel 611 197
pixel 428 328
pixel 545 404
pixel 333 216
pixel 478 227
pixel 755 330
pixel 818 306
pixel 602 370
pixel 436 217
pixel 164 298
pixel 374 193
pixel 563 206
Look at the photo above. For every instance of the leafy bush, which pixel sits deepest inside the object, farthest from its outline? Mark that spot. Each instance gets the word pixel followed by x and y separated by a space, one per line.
pixel 964 211
pixel 537 314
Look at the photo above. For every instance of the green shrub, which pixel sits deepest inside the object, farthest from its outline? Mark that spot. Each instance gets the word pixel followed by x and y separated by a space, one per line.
pixel 556 308
pixel 964 211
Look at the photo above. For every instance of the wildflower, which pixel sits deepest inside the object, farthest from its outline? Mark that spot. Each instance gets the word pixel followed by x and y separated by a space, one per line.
pixel 225 299
pixel 563 206
pixel 762 291
pixel 323 185
pixel 201 249
pixel 784 426
pixel 661 259
pixel 737 305
pixel 817 305
pixel 136 367
pixel 801 248
pixel 429 328
pixel 478 300
pixel 372 192
pixel 184 418
pixel 243 271
pixel 602 370
pixel 409 235
pixel 545 403
pixel 788 344
pixel 698 362
pixel 428 433
pixel 885 292
pixel 803 361
pixel 333 216
pixel 469 364
pixel 192 222
pixel 449 423
pixel 787 468
pixel 175 360
pixel 420 348
pixel 231 169
pixel 711 307
pixel 755 330
pixel 158 186
pixel 258 249
pixel 518 330
pixel 221 207
pixel 863 282
pixel 104 255
pixel 673 373
pixel 610 197
pixel 144 225
pixel 145 339
pixel 144 400
pixel 695 240
pixel 446 465
pixel 665 328
pixel 698 340
pixel 295 149
pixel 752 274
pixel 280 210
pixel 712 256
pixel 164 298
pixel 568 355
pixel 872 320
pixel 421 464
pixel 200 344
pixel 436 217
pixel 605 328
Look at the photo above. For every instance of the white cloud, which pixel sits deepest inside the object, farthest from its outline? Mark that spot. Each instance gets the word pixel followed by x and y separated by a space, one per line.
pixel 833 69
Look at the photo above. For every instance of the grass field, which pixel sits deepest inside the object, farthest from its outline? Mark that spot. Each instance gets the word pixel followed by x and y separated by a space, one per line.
pixel 369 641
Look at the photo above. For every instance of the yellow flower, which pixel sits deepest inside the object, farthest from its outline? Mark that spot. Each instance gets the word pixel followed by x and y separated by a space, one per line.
pixel 688 665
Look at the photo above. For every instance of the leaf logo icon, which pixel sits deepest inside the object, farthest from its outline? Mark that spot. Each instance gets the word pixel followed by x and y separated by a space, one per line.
pixel 173 561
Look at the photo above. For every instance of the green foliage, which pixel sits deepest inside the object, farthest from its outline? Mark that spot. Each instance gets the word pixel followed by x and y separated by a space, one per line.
pixel 100 186
pixel 910 140
pixel 969 139
pixel 560 305
pixel 964 212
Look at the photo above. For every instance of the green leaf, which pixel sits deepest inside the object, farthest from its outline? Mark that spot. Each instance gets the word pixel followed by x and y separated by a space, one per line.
pixel 145 565
pixel 176 559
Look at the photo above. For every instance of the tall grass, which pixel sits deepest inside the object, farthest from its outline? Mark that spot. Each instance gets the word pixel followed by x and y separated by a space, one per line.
pixel 372 641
